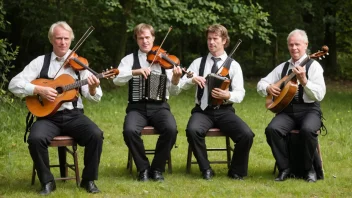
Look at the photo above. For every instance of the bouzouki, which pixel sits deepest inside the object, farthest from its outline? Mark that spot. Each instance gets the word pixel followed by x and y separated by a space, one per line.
pixel 67 89
pixel 289 86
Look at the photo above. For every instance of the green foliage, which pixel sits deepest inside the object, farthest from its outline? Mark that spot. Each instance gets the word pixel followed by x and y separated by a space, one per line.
pixel 7 56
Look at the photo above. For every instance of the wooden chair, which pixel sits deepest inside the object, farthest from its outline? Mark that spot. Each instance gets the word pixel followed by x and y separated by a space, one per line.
pixel 295 132
pixel 62 143
pixel 213 132
pixel 147 130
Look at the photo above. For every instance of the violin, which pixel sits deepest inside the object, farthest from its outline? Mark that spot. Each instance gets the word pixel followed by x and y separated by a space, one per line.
pixel 165 60
pixel 76 62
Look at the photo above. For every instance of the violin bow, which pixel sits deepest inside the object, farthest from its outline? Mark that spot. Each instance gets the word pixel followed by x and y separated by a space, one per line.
pixel 170 28
pixel 231 53
pixel 78 44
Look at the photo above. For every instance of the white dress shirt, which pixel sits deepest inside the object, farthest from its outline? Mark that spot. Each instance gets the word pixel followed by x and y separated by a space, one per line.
pixel 125 68
pixel 235 73
pixel 313 91
pixel 21 85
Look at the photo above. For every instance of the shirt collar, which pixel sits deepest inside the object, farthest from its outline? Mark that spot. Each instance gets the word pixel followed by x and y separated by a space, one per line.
pixel 223 56
pixel 299 61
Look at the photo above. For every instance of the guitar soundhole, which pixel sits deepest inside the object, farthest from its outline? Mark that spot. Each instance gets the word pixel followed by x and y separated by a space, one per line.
pixel 59 90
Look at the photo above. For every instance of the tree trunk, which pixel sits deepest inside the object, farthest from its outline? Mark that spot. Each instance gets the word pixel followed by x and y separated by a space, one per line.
pixel 332 68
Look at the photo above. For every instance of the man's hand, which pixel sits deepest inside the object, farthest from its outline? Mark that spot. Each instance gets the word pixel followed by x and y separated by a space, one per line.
pixel 220 94
pixel 93 83
pixel 142 71
pixel 47 93
pixel 176 75
pixel 199 80
pixel 300 74
pixel 273 90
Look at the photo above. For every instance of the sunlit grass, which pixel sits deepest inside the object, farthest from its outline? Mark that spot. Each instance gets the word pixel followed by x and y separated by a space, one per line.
pixel 115 181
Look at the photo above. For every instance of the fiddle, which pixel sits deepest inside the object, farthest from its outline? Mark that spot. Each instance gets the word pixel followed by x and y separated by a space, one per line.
pixel 165 60
pixel 76 62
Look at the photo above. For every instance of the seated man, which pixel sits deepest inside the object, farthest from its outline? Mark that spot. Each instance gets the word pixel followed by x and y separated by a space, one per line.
pixel 205 116
pixel 302 112
pixel 143 110
pixel 69 119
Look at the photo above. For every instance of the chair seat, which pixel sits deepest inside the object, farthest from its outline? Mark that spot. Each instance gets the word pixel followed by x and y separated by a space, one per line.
pixel 62 143
pixel 213 132
pixel 147 130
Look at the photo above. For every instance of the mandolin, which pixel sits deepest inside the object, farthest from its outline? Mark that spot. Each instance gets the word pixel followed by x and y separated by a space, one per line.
pixel 67 89
pixel 289 86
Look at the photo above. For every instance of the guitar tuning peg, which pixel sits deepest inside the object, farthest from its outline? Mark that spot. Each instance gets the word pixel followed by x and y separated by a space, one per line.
pixel 327 53
pixel 320 58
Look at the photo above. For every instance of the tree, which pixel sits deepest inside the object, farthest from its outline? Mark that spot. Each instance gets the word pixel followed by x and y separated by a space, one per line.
pixel 7 55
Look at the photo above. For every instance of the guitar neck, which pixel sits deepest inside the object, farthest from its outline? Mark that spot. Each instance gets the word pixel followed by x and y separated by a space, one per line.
pixel 292 75
pixel 80 83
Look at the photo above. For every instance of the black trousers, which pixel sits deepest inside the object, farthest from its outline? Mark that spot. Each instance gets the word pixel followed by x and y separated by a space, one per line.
pixel 67 122
pixel 306 118
pixel 228 122
pixel 158 115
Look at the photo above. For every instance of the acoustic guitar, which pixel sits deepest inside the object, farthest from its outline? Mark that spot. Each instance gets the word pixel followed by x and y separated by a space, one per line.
pixel 289 86
pixel 67 89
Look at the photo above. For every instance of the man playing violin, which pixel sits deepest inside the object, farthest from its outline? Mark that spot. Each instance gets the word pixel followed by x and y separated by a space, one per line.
pixel 302 113
pixel 205 116
pixel 69 119
pixel 143 110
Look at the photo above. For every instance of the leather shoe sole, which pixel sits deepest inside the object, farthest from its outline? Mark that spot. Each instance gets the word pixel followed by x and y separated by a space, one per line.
pixel 48 188
pixel 234 176
pixel 89 186
pixel 283 175
pixel 208 174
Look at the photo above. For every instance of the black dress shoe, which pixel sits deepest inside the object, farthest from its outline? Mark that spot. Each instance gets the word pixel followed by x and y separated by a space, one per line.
pixel 283 175
pixel 208 174
pixel 156 175
pixel 143 175
pixel 89 186
pixel 311 175
pixel 48 188
pixel 234 175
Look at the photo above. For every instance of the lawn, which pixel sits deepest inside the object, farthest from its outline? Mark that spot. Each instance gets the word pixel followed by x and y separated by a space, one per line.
pixel 115 180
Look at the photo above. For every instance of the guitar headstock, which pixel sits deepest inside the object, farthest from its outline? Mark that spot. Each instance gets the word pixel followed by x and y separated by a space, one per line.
pixel 319 54
pixel 111 73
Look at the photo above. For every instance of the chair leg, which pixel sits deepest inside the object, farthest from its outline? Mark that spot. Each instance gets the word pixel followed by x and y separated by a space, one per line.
pixel 189 159
pixel 33 175
pixel 129 161
pixel 275 167
pixel 62 161
pixel 75 161
pixel 169 163
pixel 228 151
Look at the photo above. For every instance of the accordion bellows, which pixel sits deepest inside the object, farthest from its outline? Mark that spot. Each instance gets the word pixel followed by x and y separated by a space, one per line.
pixel 151 89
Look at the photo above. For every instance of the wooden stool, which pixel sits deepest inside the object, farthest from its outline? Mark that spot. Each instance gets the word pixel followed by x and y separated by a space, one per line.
pixel 147 130
pixel 62 143
pixel 212 132
pixel 296 132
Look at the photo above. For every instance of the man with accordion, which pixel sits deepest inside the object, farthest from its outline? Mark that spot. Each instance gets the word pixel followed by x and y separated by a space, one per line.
pixel 149 85
pixel 207 114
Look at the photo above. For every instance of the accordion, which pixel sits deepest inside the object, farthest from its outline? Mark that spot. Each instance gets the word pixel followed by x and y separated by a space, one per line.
pixel 216 81
pixel 151 89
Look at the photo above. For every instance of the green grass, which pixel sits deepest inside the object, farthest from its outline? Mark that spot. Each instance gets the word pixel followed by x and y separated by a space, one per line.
pixel 115 181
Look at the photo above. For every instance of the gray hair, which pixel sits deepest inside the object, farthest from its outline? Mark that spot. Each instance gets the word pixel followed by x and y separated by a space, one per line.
pixel 302 33
pixel 62 24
